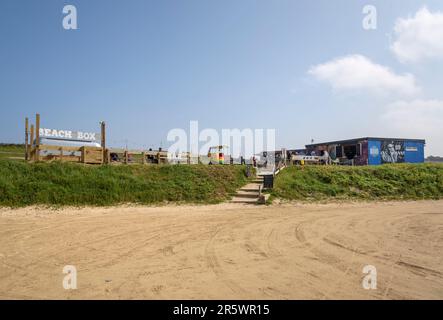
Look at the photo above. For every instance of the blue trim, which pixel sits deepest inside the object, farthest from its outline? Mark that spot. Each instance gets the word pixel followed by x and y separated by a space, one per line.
pixel 374 157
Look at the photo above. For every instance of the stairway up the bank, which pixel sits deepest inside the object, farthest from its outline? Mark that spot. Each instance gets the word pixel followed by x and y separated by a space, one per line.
pixel 249 193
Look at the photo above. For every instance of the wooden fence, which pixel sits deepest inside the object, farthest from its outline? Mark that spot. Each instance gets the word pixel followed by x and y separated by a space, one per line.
pixel 90 155
pixel 34 151
pixel 115 156
pixel 95 155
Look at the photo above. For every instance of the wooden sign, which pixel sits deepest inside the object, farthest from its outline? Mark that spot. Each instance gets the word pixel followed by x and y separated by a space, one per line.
pixel 69 135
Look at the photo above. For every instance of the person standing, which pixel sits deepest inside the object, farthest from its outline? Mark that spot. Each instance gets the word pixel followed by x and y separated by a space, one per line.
pixel 326 158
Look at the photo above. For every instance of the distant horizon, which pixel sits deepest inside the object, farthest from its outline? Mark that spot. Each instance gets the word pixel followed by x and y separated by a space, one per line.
pixel 313 142
pixel 23 144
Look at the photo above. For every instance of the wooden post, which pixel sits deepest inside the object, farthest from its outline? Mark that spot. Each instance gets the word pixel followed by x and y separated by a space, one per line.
pixel 26 138
pixel 143 157
pixel 61 153
pixel 32 143
pixel 83 157
pixel 103 128
pixel 126 157
pixel 37 137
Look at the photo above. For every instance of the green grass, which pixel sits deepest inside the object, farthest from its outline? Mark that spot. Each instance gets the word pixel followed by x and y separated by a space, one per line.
pixel 386 182
pixel 60 184
pixel 12 151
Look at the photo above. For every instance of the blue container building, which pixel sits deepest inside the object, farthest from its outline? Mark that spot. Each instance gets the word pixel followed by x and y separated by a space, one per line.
pixel 371 150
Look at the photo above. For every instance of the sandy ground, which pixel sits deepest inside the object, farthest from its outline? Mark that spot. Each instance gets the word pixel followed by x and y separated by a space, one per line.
pixel 228 251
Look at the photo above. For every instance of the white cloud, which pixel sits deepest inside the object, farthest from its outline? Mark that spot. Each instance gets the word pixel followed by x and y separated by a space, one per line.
pixel 419 37
pixel 416 119
pixel 357 72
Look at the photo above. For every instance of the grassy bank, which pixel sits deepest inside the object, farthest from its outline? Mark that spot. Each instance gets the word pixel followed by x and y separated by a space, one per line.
pixel 23 184
pixel 387 182
pixel 12 151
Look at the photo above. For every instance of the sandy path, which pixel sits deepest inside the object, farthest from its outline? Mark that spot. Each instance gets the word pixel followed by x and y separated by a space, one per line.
pixel 227 251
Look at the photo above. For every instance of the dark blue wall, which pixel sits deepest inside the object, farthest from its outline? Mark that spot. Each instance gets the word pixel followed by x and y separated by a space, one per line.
pixel 414 152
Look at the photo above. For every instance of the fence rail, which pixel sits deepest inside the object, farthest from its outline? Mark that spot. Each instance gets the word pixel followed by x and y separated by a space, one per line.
pixel 89 155
pixel 91 151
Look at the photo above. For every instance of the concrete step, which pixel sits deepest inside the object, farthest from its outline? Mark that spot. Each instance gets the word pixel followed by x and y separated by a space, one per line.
pixel 249 189
pixel 252 185
pixel 251 195
pixel 245 200
pixel 248 194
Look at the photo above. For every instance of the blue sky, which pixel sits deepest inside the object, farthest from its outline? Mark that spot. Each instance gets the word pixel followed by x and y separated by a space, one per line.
pixel 306 68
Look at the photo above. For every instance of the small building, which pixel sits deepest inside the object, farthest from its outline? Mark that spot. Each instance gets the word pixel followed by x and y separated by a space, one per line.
pixel 371 151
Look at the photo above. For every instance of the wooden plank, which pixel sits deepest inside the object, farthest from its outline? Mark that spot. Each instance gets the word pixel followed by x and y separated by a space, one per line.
pixel 122 151
pixel 135 152
pixel 68 148
pixel 26 139
pixel 156 153
pixel 116 150
pixel 83 156
pixel 93 156
pixel 103 129
pixel 31 152
pixel 54 157
pixel 97 149
pixel 143 158
pixel 37 136
pixel 93 161
pixel 32 135
pixel 71 159
pixel 57 148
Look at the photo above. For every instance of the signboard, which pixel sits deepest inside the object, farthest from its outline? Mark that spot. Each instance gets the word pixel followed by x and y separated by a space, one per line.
pixel 70 135
pixel 374 152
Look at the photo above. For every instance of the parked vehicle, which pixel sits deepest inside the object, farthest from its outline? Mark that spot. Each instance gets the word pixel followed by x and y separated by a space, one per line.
pixel 297 159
